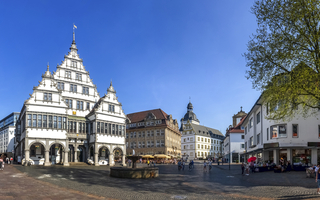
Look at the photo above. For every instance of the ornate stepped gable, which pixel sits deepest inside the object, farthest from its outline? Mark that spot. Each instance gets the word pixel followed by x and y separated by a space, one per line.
pixel 46 93
pixel 72 73
pixel 109 99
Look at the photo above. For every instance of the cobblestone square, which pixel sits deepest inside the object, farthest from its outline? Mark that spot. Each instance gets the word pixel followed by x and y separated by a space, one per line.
pixel 83 182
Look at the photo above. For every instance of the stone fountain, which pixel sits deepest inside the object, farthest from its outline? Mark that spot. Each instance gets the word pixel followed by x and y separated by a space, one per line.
pixel 134 172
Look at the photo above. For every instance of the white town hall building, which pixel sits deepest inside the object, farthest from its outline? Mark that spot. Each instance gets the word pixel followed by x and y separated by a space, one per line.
pixel 65 119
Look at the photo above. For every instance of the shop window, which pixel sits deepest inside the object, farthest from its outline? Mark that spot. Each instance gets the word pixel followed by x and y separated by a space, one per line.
pixel 295 130
pixel 274 132
pixel 301 156
pixel 282 131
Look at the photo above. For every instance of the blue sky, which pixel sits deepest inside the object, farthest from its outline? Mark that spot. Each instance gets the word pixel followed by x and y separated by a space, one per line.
pixel 157 53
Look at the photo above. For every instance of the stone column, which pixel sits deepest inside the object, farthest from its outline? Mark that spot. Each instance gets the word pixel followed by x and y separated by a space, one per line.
pixel 265 155
pixel 289 155
pixel 75 147
pixel 65 160
pixel 46 158
pixel 96 160
pixel 123 160
pixel 276 156
pixel 314 156
pixel 26 156
pixel 111 163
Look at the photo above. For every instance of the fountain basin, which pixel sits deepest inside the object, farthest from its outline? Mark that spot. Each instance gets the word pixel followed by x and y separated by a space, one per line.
pixel 146 172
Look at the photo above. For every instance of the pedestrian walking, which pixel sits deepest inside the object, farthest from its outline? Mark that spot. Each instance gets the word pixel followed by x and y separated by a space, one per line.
pixel 11 160
pixel 318 181
pixel 7 160
pixel 210 165
pixel 1 163
pixel 204 166
pixel 242 168
pixel 148 162
pixel 183 164
pixel 179 165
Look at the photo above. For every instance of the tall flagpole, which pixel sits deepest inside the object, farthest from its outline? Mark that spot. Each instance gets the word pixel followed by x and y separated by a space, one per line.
pixel 73 32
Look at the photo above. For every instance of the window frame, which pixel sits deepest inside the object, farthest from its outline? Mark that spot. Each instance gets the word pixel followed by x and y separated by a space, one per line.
pixel 297 131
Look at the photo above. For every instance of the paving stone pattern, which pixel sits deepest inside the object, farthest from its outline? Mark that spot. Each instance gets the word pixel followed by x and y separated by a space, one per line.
pixel 219 183
pixel 17 185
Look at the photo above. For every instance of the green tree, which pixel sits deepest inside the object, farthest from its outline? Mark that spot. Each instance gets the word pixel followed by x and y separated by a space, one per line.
pixel 284 56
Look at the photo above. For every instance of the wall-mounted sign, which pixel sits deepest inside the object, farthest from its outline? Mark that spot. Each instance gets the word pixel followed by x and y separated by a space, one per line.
pixel 271 145
pixel 74 112
pixel 313 144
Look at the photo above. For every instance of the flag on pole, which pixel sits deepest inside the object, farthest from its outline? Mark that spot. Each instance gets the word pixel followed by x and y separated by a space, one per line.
pixel 74 26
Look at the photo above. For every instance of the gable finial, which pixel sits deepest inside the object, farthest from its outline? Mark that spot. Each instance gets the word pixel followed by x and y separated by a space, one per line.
pixel 189 99
pixel 48 67
pixel 241 109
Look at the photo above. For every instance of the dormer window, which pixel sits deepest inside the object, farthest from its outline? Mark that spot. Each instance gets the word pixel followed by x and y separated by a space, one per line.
pixel 68 74
pixel 78 76
pixel 73 88
pixel 47 97
pixel 111 108
pixel 60 86
pixel 74 64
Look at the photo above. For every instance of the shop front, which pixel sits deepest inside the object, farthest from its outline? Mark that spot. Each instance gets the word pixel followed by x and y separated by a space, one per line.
pixel 301 157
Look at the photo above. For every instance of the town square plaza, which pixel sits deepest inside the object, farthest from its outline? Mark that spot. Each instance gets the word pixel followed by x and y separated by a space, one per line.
pixel 91 182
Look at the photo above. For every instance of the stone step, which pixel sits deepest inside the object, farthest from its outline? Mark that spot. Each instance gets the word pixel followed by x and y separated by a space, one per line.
pixel 78 164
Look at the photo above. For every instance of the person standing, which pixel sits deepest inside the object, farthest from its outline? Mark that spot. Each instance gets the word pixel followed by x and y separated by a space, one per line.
pixel 247 169
pixel 183 164
pixel 252 166
pixel 148 162
pixel 242 168
pixel 204 166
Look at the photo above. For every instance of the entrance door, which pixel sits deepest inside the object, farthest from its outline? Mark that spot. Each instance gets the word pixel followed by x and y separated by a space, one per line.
pixel 283 155
pixel 80 155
